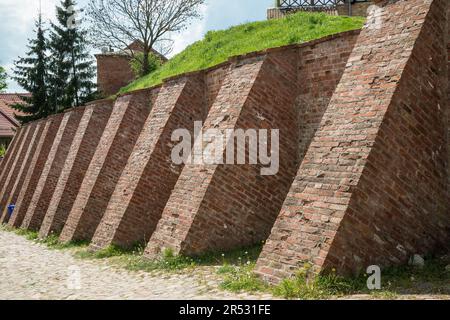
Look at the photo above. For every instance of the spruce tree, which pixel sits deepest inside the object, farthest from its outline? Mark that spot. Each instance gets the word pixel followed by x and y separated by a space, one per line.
pixel 3 77
pixel 71 64
pixel 30 73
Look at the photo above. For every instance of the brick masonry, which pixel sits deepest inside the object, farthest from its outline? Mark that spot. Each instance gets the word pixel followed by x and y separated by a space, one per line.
pixel 52 170
pixel 11 151
pixel 290 86
pixel 448 98
pixel 372 187
pixel 320 68
pixel 364 122
pixel 150 175
pixel 12 192
pixel 117 142
pixel 12 174
pixel 82 150
pixel 210 195
pixel 8 162
pixel 113 73
pixel 35 169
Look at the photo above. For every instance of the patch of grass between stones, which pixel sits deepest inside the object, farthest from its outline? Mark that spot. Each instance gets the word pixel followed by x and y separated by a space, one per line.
pixel 136 261
pixel 51 241
pixel 433 278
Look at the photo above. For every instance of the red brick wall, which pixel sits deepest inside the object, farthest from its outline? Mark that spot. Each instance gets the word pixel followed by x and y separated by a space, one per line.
pixel 371 189
pixel 8 162
pixel 191 187
pixel 448 98
pixel 12 175
pixel 80 155
pixel 113 73
pixel 214 79
pixel 11 151
pixel 117 142
pixel 35 170
pixel 221 196
pixel 52 170
pixel 373 184
pixel 149 177
pixel 212 197
pixel 11 194
pixel 320 68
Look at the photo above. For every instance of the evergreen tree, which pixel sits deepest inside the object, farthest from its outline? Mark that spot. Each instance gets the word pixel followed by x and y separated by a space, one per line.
pixel 31 74
pixel 71 66
pixel 3 77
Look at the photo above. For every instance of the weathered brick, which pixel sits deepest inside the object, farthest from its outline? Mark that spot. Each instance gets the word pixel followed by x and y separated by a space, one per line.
pixel 384 197
pixel 149 176
pixel 226 206
pixel 5 189
pixel 52 170
pixel 117 142
pixel 294 102
pixel 35 169
pixel 11 155
pixel 84 144
pixel 113 73
pixel 11 194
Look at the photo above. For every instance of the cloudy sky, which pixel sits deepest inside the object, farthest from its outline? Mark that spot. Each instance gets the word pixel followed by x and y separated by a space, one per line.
pixel 17 23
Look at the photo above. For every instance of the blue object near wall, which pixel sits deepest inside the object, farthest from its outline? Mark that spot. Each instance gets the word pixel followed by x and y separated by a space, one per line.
pixel 11 208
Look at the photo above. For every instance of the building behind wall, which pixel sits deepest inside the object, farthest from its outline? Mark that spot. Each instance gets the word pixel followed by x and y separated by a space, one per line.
pixel 8 121
pixel 114 70
pixel 333 7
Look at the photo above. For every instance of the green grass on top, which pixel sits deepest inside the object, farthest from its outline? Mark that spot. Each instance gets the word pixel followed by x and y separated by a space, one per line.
pixel 218 46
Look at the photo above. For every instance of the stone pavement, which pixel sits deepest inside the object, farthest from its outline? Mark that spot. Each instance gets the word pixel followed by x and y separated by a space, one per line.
pixel 32 271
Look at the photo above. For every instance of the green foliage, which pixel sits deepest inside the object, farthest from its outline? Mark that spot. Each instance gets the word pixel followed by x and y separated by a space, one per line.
pixel 3 77
pixel 241 278
pixel 53 242
pixel 218 46
pixel 153 63
pixel 134 260
pixel 307 285
pixel 28 234
pixel 168 262
pixel 58 71
pixel 71 66
pixel 2 150
pixel 108 252
pixel 31 74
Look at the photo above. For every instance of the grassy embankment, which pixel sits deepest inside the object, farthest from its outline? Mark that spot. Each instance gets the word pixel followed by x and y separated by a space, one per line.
pixel 219 46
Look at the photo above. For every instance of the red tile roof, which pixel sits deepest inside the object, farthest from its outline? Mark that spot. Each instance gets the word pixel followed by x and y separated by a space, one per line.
pixel 8 122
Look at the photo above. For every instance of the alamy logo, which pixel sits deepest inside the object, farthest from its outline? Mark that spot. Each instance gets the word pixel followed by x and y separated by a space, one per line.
pixel 73 21
pixel 374 279
pixel 210 145
pixel 74 278
pixel 375 17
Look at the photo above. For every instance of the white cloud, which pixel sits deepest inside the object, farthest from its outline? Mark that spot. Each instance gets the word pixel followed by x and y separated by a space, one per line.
pixel 193 33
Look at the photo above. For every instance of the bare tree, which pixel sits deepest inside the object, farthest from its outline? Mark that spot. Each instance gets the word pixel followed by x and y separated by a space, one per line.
pixel 117 23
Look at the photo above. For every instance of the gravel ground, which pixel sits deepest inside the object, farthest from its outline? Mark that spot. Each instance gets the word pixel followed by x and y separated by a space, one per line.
pixel 32 271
